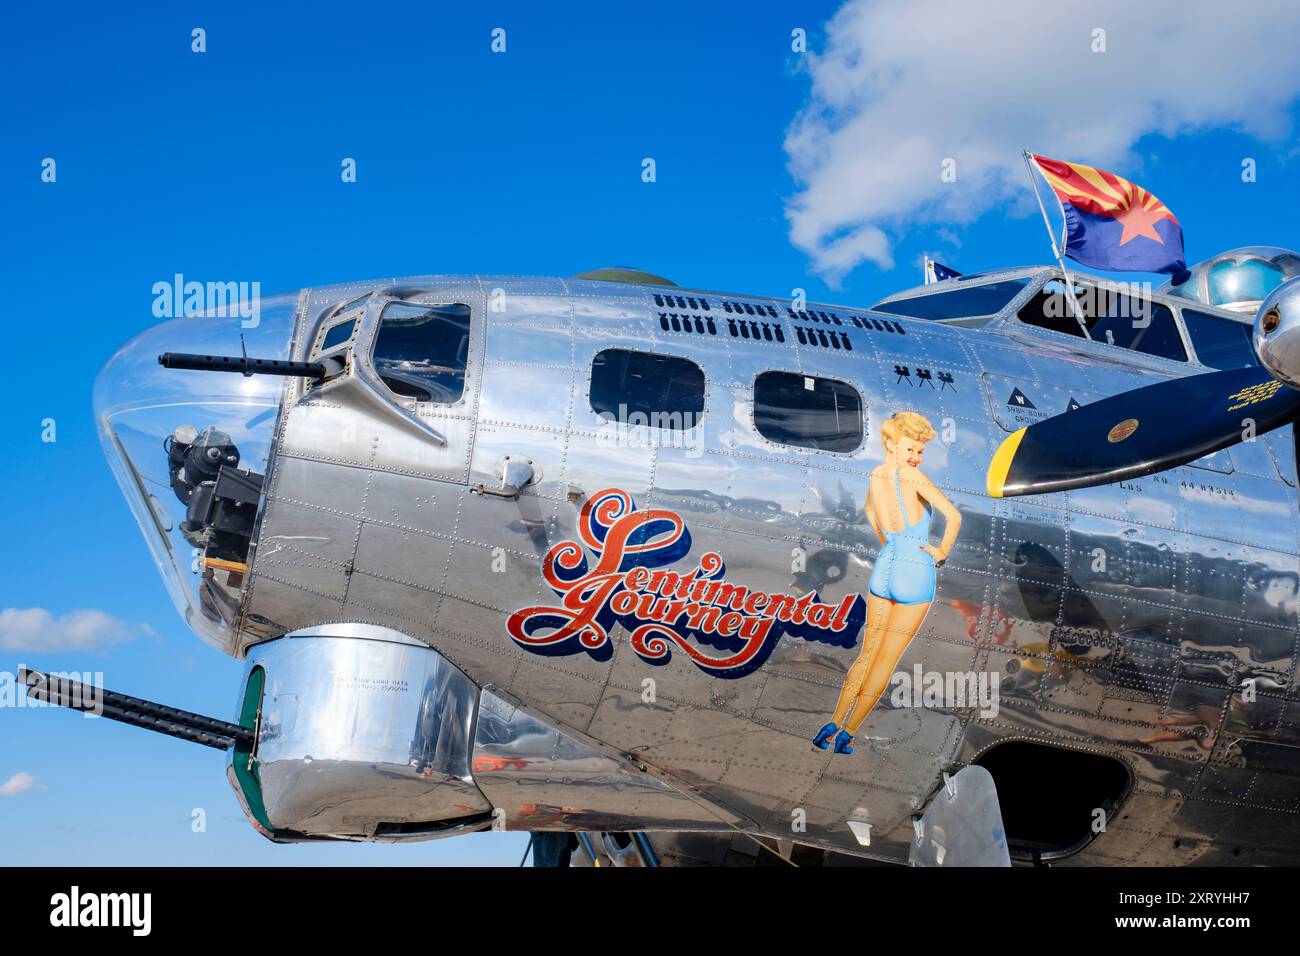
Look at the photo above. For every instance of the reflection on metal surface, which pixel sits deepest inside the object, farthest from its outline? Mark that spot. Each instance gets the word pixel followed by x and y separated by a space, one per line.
pixel 546 779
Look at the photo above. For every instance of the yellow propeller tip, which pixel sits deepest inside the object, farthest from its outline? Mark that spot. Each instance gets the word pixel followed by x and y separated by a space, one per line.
pixel 996 478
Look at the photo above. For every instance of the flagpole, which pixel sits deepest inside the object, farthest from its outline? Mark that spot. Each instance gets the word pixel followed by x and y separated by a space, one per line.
pixel 1056 251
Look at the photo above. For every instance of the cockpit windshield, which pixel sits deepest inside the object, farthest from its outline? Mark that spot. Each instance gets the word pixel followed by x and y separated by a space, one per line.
pixel 1106 312
pixel 190 450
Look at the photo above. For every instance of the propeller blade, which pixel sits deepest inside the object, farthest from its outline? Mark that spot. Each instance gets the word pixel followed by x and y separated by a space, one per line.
pixel 1136 433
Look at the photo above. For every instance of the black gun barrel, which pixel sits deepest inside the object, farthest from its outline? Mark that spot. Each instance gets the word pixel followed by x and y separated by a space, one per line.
pixel 241 363
pixel 136 711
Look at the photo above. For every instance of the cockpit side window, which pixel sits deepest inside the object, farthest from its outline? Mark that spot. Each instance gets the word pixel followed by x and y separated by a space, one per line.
pixel 337 334
pixel 421 350
pixel 1110 316
pixel 1050 309
pixel 1220 343
pixel 957 303
pixel 644 388
pixel 1135 323
pixel 795 409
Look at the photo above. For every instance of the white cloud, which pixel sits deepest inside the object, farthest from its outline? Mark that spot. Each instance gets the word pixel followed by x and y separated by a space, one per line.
pixel 36 629
pixel 19 783
pixel 901 86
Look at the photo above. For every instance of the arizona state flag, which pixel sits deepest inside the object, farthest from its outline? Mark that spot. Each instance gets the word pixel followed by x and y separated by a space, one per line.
pixel 1112 223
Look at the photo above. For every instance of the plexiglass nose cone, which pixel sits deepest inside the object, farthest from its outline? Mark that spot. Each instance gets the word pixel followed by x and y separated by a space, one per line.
pixel 171 435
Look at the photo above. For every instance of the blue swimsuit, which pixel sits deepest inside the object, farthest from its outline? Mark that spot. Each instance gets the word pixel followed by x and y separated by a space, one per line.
pixel 903 572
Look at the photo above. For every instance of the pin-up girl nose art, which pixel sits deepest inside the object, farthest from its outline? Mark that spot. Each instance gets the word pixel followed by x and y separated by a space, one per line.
pixel 901 502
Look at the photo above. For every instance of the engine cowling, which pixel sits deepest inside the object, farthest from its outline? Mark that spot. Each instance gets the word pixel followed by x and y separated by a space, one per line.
pixel 1277 333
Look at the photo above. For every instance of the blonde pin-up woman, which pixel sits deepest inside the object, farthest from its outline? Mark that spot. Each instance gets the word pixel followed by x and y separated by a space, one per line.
pixel 901 502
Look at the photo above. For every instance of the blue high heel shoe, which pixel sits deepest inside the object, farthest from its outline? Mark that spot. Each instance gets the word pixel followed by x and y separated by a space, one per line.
pixel 822 740
pixel 842 741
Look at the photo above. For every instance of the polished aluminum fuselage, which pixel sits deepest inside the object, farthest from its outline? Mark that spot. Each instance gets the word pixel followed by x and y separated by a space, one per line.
pixel 1107 614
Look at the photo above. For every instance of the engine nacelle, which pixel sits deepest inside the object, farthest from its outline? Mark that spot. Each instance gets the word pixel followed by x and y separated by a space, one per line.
pixel 1277 333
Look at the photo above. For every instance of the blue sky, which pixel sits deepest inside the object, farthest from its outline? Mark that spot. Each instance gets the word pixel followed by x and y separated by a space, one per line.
pixel 225 166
